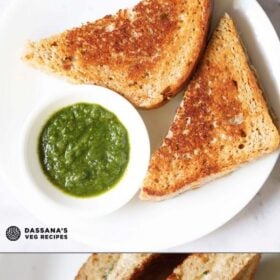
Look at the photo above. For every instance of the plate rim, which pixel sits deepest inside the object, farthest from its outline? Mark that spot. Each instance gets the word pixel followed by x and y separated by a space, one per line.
pixel 14 4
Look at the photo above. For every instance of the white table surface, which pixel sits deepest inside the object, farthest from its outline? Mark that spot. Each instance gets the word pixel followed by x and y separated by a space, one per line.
pixel 256 228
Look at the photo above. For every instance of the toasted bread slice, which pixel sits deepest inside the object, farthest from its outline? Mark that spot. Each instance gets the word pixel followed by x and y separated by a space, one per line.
pixel 217 267
pixel 98 266
pixel 161 267
pixel 145 53
pixel 222 122
pixel 114 266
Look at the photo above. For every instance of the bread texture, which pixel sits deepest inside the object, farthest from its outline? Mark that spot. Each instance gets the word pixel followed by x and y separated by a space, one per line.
pixel 98 266
pixel 114 266
pixel 217 267
pixel 222 122
pixel 146 53
pixel 159 266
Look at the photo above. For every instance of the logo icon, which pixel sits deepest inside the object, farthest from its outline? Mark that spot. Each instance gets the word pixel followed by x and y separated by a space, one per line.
pixel 13 233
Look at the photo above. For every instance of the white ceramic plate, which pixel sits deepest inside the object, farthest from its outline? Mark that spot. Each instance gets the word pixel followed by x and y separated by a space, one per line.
pixel 139 226
pixel 65 267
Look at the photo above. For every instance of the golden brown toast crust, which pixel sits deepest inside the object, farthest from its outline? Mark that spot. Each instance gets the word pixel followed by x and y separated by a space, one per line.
pixel 112 266
pixel 145 53
pixel 222 122
pixel 217 266
pixel 139 40
pixel 98 265
pixel 249 270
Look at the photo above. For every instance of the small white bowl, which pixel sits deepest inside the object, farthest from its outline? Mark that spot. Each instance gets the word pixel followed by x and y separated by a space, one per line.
pixel 39 188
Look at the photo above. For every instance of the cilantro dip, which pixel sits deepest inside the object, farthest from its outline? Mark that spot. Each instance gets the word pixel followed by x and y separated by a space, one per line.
pixel 84 149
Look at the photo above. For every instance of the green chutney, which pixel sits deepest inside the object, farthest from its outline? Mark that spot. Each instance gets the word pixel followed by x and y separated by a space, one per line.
pixel 84 149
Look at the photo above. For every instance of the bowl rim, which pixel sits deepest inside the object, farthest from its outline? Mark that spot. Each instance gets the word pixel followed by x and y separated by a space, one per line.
pixel 41 189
